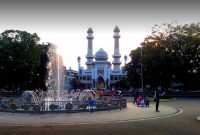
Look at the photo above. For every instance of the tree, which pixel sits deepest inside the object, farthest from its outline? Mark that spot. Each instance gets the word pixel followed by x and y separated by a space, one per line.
pixel 22 58
pixel 123 84
pixel 171 50
pixel 133 69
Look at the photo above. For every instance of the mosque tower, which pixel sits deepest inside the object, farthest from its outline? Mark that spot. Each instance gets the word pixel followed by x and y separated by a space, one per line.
pixel 89 55
pixel 79 62
pixel 116 56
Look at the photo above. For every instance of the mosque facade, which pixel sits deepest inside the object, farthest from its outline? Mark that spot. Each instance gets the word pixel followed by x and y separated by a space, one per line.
pixel 101 73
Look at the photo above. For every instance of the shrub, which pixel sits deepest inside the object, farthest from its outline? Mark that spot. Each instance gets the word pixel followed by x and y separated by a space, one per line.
pixel 83 106
pixel 36 108
pixel 53 107
pixel 13 106
pixel 26 107
pixel 68 106
pixel 99 105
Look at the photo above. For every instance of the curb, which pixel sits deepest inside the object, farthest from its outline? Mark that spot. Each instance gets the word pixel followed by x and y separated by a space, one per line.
pixel 198 118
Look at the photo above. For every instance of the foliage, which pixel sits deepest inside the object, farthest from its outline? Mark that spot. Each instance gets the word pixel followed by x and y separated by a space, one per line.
pixel 25 107
pixel 170 53
pixel 83 106
pixel 22 59
pixel 53 107
pixel 69 106
pixel 122 84
pixel 36 108
pixel 13 106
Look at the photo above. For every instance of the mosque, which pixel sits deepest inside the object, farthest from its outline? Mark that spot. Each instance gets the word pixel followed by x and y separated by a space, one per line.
pixel 101 73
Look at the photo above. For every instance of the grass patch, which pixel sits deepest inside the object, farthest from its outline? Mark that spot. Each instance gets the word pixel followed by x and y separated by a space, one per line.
pixel 162 99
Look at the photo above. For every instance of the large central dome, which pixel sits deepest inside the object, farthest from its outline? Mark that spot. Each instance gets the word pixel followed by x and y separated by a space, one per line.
pixel 101 55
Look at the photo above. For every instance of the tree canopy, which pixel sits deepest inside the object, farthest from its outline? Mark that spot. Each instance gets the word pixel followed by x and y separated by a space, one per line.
pixel 23 60
pixel 170 54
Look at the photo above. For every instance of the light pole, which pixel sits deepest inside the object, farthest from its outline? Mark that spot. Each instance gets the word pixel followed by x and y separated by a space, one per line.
pixel 125 60
pixel 142 83
pixel 107 82
pixel 38 80
pixel 173 77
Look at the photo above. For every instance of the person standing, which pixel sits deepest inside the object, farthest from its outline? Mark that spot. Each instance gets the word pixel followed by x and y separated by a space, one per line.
pixel 101 95
pixel 91 104
pixel 135 96
pixel 157 98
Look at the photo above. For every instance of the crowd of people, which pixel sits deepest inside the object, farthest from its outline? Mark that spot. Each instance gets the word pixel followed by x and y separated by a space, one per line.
pixel 142 100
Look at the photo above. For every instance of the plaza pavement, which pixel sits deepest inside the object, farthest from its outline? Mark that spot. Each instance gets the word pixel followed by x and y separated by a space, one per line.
pixel 184 123
pixel 129 114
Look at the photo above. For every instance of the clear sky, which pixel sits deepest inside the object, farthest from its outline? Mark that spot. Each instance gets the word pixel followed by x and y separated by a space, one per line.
pixel 65 23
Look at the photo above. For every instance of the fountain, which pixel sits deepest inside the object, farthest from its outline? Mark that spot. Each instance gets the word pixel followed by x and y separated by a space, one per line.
pixel 56 99
pixel 48 102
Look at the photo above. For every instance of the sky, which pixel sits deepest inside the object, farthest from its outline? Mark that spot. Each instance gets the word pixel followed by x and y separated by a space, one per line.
pixel 65 23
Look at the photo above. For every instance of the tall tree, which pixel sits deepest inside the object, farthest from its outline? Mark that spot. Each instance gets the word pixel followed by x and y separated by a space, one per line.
pixel 170 52
pixel 21 59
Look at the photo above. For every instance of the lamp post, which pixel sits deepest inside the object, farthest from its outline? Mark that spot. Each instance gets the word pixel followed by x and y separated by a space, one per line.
pixel 173 77
pixel 107 82
pixel 38 80
pixel 125 60
pixel 142 83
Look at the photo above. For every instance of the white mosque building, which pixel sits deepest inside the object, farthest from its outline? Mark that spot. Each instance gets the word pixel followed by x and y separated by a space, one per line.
pixel 100 73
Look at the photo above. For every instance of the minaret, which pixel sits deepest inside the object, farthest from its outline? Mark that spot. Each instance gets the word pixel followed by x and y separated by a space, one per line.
pixel 125 60
pixel 89 55
pixel 79 63
pixel 116 63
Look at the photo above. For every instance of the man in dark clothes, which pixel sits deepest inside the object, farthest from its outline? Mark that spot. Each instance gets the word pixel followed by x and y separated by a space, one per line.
pixel 157 97
pixel 136 96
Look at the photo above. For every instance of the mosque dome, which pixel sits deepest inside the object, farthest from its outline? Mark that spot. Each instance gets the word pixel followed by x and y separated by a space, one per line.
pixel 101 55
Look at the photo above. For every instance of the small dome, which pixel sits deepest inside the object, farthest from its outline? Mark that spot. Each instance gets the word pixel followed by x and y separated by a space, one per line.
pixel 79 58
pixel 116 29
pixel 101 55
pixel 90 30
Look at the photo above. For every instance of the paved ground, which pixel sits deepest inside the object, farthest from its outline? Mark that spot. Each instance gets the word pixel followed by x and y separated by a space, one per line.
pixel 131 113
pixel 182 124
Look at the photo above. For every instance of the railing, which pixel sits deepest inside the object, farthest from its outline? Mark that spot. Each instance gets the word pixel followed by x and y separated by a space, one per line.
pixel 60 106
pixel 182 94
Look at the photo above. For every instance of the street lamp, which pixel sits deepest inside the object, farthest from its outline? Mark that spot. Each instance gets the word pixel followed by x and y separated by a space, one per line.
pixel 107 82
pixel 38 80
pixel 173 77
pixel 142 83
pixel 125 60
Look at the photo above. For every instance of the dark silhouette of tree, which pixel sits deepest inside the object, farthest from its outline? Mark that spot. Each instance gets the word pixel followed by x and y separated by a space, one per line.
pixel 22 58
pixel 169 51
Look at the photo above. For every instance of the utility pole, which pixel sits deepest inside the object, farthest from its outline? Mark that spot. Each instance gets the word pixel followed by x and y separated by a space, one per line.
pixel 38 80
pixel 142 83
